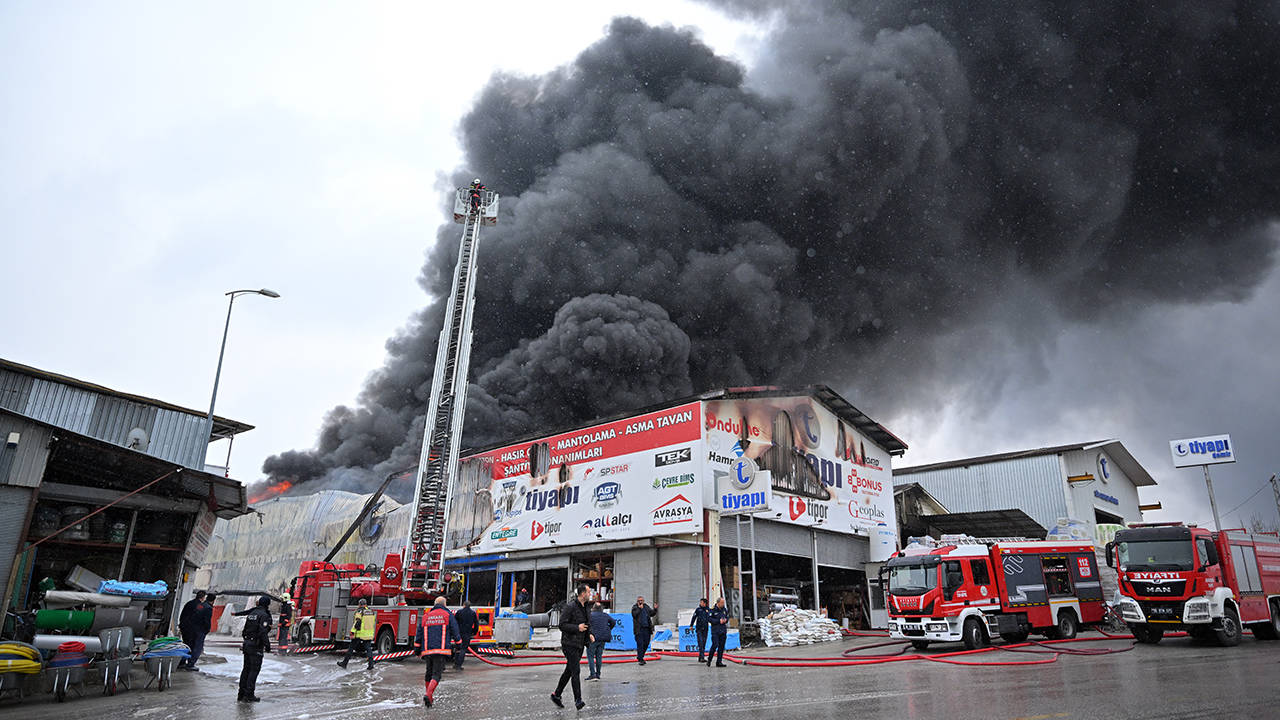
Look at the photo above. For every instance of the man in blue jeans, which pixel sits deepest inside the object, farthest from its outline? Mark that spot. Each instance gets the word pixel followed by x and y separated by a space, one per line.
pixel 601 629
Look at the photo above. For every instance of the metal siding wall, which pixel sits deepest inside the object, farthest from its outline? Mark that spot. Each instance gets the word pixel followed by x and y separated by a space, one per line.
pixel 15 391
pixel 179 437
pixel 632 576
pixel 113 418
pixel 846 551
pixel 61 405
pixel 680 580
pixel 1081 462
pixel 26 466
pixel 1034 485
pixel 14 503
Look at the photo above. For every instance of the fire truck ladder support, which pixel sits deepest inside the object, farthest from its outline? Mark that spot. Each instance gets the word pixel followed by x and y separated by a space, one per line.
pixel 424 547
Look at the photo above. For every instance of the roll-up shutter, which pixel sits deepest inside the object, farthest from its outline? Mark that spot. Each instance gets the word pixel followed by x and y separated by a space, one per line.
pixel 774 537
pixel 843 551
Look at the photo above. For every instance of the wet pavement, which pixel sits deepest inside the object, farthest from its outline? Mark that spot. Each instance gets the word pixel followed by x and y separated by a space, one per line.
pixel 1176 679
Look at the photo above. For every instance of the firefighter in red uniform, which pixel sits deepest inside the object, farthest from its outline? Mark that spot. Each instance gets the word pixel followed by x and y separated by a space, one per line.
pixel 437 633
pixel 476 188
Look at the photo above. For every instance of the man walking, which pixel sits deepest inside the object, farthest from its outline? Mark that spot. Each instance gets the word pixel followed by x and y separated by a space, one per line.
pixel 642 626
pixel 600 626
pixel 574 625
pixel 257 640
pixel 701 621
pixel 436 635
pixel 362 628
pixel 468 627
pixel 719 633
pixel 193 623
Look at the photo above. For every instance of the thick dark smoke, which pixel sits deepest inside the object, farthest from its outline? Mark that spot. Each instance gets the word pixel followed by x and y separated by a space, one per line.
pixel 886 176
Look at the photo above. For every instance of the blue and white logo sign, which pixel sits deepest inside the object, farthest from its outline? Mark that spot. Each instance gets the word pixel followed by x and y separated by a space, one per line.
pixel 606 494
pixel 1208 450
pixel 1104 467
pixel 742 472
pixel 810 430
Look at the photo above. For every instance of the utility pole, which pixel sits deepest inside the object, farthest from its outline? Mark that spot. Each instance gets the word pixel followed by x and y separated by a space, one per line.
pixel 1217 522
pixel 1275 487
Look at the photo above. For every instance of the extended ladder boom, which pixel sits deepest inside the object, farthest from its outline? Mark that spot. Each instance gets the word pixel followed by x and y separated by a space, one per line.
pixel 424 546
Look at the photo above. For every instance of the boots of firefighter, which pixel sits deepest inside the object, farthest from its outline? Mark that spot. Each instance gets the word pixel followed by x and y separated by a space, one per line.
pixel 431 691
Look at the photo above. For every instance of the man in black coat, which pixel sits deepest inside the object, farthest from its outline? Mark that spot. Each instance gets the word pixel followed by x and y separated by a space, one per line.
pixel 642 626
pixel 574 624
pixel 193 624
pixel 468 627
pixel 701 621
pixel 257 640
pixel 719 633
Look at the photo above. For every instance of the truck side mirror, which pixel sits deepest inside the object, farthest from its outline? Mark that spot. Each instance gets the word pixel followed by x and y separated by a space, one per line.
pixel 1212 552
pixel 1110 551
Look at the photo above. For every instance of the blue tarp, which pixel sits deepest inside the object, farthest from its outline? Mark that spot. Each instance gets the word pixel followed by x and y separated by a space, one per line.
pixel 689 640
pixel 153 590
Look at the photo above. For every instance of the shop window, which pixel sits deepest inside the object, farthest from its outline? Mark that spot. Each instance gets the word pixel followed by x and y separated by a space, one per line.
pixel 596 572
pixel 1057 578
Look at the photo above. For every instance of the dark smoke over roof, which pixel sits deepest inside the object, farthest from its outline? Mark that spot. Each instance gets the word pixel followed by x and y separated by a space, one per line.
pixel 887 175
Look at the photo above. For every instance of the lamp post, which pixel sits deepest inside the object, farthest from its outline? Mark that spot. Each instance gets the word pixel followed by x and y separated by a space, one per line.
pixel 218 375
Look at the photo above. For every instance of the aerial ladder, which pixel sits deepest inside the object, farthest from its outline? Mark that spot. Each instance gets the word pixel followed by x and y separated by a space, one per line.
pixel 424 573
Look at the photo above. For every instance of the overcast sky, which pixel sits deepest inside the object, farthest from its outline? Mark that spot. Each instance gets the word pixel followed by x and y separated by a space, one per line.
pixel 156 155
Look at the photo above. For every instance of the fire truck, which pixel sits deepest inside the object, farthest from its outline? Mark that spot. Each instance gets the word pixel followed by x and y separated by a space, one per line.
pixel 1211 584
pixel 969 589
pixel 326 595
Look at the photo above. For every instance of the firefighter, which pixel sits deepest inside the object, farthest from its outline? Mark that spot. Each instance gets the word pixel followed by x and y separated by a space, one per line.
pixel 286 620
pixel 719 617
pixel 701 621
pixel 476 188
pixel 257 640
pixel 437 632
pixel 468 627
pixel 362 628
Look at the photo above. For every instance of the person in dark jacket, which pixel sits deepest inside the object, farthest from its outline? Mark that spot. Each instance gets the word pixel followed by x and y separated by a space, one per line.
pixel 719 633
pixel 642 626
pixel 436 635
pixel 574 627
pixel 189 626
pixel 286 620
pixel 600 626
pixel 468 627
pixel 257 640
pixel 475 191
pixel 701 621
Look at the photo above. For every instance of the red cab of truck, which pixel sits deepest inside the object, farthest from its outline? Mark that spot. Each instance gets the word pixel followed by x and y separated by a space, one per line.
pixel 971 590
pixel 1210 584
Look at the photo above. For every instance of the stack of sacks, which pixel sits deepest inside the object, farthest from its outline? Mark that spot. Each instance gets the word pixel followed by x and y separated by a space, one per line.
pixel 791 626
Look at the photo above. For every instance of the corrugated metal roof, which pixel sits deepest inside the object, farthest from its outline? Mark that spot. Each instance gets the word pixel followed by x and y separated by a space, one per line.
pixel 1034 483
pixel 25 463
pixel 1119 453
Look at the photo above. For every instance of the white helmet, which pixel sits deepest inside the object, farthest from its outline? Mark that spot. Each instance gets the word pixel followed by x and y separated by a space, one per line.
pixel 476 181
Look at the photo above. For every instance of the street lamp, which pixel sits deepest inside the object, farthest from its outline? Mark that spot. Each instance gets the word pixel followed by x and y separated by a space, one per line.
pixel 218 375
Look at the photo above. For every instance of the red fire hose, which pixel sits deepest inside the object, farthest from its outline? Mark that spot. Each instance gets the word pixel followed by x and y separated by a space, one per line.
pixel 608 659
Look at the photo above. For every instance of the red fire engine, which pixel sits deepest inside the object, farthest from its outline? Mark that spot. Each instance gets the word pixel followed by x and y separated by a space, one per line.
pixel 1179 577
pixel 326 597
pixel 968 589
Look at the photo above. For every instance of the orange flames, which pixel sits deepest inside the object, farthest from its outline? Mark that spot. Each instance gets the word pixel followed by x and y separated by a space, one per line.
pixel 268 492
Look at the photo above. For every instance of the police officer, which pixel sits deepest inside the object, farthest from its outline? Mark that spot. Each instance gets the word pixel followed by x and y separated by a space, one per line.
pixel 362 628
pixel 701 621
pixel 719 618
pixel 257 640
pixel 436 633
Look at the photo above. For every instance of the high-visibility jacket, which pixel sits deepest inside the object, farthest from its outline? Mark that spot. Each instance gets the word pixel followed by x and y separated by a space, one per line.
pixel 436 633
pixel 362 626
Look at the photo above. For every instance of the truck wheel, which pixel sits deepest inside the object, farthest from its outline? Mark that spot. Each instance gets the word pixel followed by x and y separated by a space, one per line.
pixel 1269 630
pixel 386 642
pixel 1147 635
pixel 1229 634
pixel 304 636
pixel 920 644
pixel 1066 628
pixel 975 636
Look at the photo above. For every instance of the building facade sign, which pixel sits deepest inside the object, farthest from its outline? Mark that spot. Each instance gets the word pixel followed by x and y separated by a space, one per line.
pixel 1209 450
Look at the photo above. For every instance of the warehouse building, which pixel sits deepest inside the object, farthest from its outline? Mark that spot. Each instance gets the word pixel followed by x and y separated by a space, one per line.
pixel 71 448
pixel 1095 482
pixel 776 494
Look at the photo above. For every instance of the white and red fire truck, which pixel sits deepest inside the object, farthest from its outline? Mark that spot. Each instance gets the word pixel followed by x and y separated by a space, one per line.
pixel 968 589
pixel 1211 584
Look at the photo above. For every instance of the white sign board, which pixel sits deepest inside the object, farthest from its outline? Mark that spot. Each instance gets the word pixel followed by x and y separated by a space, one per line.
pixel 745 488
pixel 1209 450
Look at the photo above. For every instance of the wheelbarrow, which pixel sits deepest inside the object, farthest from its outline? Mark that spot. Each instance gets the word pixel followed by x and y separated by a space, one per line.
pixel 67 677
pixel 161 670
pixel 117 654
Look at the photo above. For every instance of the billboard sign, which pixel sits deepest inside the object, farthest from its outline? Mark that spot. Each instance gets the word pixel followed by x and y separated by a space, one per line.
pixel 638 477
pixel 1209 450
pixel 814 469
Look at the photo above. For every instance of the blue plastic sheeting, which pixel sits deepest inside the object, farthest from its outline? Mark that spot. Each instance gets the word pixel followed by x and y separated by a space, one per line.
pixel 153 590
pixel 689 640
pixel 624 637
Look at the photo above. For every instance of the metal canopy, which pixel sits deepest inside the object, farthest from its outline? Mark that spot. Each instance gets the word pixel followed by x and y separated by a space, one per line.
pixel 986 523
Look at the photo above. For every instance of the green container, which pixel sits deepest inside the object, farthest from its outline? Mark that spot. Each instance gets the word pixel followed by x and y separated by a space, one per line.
pixel 76 622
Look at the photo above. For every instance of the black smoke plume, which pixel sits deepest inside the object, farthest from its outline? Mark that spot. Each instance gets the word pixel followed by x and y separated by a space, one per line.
pixel 888 182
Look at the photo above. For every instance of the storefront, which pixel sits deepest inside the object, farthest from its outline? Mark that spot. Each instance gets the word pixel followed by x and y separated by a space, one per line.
pixel 651 504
